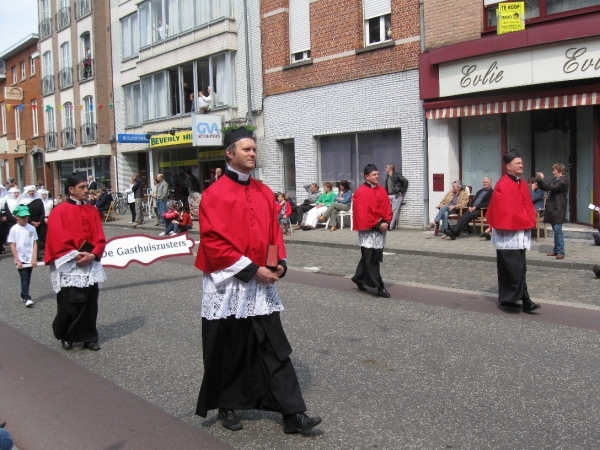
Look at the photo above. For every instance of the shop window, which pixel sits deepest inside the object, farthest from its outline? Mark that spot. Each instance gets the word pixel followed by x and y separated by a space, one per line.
pixel 539 10
pixel 102 172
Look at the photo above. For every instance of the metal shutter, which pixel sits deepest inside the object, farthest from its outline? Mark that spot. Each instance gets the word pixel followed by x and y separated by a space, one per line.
pixel 299 26
pixel 376 8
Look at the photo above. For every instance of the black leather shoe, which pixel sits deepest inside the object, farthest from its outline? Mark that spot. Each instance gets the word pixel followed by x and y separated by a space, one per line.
pixel 299 423
pixel 597 238
pixel 510 305
pixel 66 345
pixel 383 293
pixel 359 285
pixel 93 346
pixel 596 270
pixel 2 425
pixel 448 232
pixel 229 419
pixel 529 306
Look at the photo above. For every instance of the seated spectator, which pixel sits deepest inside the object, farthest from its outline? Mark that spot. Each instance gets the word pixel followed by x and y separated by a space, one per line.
pixel 309 203
pixel 324 200
pixel 453 201
pixel 179 224
pixel 537 195
pixel 92 198
pixel 169 215
pixel 481 200
pixel 104 201
pixel 294 216
pixel 342 203
pixel 284 212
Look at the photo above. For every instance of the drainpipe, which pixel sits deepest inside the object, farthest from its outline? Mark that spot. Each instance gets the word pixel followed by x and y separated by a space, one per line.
pixel 248 87
pixel 424 119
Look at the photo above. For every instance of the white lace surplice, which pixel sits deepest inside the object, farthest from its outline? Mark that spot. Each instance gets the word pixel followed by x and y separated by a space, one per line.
pixel 223 295
pixel 371 239
pixel 511 239
pixel 65 272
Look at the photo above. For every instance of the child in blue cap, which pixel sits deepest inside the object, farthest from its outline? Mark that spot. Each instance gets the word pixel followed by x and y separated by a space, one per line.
pixel 23 245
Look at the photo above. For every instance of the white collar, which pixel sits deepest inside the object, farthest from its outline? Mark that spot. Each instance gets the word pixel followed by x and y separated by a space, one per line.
pixel 372 186
pixel 241 176
pixel 77 202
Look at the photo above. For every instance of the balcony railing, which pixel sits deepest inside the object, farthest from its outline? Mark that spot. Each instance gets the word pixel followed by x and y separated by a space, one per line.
pixel 48 85
pixel 45 28
pixel 67 137
pixel 65 78
pixel 50 141
pixel 85 70
pixel 82 8
pixel 63 18
pixel 89 133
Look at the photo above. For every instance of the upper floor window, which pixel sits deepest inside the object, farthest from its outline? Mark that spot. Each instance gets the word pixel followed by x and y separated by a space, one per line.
pixel 31 66
pixel 48 69
pixel 2 118
pixel 23 71
pixel 44 9
pixel 88 110
pixel 34 117
pixel 131 36
pixel 65 53
pixel 378 23
pixel 17 124
pixel 299 30
pixel 539 9
pixel 50 121
pixel 133 104
pixel 14 74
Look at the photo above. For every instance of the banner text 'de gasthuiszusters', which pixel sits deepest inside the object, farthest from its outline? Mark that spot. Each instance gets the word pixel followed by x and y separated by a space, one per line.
pixel 142 249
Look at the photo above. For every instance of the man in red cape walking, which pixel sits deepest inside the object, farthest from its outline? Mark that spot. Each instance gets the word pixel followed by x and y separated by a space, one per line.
pixel 372 216
pixel 511 216
pixel 245 350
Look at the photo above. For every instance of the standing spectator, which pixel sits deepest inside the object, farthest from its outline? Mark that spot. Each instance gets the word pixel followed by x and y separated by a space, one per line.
pixel 556 205
pixel 537 195
pixel 73 250
pixel 161 194
pixel 48 203
pixel 218 173
pixel 456 199
pixel 91 184
pixel 246 353
pixel 284 212
pixel 3 222
pixel 58 199
pixel 343 200
pixel 395 185
pixel 313 194
pixel 131 200
pixel 153 201
pixel 511 217
pixel 192 182
pixel 23 245
pixel 40 186
pixel 194 196
pixel 325 199
pixel 138 195
pixel 372 215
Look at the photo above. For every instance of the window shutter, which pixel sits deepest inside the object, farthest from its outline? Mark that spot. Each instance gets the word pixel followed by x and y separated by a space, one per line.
pixel 299 26
pixel 376 8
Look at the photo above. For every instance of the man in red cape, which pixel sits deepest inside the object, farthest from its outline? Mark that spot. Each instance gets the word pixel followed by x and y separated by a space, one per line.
pixel 372 216
pixel 75 268
pixel 511 216
pixel 245 350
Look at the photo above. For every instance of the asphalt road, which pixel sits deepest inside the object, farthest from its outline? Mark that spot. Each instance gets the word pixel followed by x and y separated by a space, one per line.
pixel 438 365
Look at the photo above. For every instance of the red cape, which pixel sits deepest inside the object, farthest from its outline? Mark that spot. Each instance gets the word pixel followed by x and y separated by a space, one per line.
pixel 69 226
pixel 370 206
pixel 511 207
pixel 236 221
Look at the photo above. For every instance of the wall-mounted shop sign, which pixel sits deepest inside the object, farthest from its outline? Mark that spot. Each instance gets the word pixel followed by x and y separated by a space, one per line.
pixel 133 139
pixel 13 93
pixel 207 130
pixel 209 154
pixel 167 140
pixel 181 163
pixel 571 60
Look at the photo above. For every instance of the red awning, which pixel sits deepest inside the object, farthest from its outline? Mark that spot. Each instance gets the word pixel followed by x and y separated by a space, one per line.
pixel 531 104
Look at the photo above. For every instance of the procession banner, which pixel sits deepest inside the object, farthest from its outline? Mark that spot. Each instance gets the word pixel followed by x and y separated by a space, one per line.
pixel 145 250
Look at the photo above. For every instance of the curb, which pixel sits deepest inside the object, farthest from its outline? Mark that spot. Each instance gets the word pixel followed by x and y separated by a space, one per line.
pixel 530 262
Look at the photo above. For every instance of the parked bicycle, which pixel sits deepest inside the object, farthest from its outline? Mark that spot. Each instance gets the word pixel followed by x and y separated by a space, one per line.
pixel 120 204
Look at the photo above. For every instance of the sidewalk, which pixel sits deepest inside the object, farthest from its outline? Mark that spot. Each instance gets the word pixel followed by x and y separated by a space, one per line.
pixel 580 253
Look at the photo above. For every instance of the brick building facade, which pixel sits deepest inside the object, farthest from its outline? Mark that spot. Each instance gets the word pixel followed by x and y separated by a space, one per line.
pixel 76 79
pixel 535 90
pixel 21 119
pixel 341 91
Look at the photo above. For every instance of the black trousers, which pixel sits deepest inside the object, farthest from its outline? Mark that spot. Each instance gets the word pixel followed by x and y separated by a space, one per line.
pixel 302 208
pixel 77 310
pixel 464 220
pixel 247 366
pixel 367 271
pixel 512 268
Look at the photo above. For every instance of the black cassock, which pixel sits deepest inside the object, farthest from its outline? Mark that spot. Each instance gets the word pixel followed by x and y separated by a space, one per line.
pixel 76 314
pixel 512 267
pixel 247 366
pixel 37 213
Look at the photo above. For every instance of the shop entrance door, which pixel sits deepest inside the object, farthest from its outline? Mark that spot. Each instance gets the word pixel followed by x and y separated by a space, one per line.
pixel 208 171
pixel 554 141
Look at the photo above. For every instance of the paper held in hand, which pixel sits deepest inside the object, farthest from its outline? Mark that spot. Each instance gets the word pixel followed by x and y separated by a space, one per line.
pixel 594 207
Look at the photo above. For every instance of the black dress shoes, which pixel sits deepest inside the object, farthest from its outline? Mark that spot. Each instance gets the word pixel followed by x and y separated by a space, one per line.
pixel 596 270
pixel 93 346
pixel 529 306
pixel 382 292
pixel 229 419
pixel 299 423
pixel 596 238
pixel 510 305
pixel 359 285
pixel 66 345
pixel 448 232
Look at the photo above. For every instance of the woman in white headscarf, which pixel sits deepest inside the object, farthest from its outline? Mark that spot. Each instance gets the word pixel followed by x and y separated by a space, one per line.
pixel 48 203
pixel 2 219
pixel 8 203
pixel 37 215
